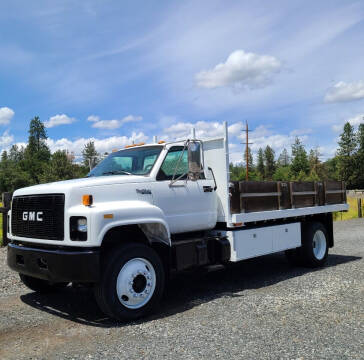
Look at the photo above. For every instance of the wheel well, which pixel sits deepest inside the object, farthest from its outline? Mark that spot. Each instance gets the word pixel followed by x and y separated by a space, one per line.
pixel 133 234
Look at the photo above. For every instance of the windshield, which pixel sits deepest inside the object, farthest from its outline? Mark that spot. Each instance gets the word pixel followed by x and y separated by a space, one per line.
pixel 137 161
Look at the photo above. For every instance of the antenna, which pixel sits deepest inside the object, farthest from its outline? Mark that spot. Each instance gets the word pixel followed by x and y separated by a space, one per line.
pixel 247 143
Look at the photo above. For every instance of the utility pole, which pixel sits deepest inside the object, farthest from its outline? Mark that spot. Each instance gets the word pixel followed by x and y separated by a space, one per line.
pixel 247 143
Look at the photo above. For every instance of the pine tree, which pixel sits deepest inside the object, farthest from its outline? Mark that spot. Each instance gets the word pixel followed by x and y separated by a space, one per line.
pixel 37 138
pixel 16 154
pixel 359 158
pixel 270 165
pixel 300 165
pixel 260 164
pixel 90 155
pixel 37 153
pixel 331 169
pixel 346 152
pixel 284 158
pixel 314 159
pixel 250 160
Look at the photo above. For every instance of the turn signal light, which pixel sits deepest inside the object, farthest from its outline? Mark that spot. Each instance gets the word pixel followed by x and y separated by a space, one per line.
pixel 87 200
pixel 161 142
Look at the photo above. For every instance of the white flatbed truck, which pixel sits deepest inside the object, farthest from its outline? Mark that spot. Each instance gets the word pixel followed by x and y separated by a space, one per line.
pixel 151 210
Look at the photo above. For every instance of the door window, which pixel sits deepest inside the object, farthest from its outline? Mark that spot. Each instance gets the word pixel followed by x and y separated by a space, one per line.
pixel 169 166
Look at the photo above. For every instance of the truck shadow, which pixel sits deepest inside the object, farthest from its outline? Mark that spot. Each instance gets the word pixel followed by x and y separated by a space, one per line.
pixel 183 292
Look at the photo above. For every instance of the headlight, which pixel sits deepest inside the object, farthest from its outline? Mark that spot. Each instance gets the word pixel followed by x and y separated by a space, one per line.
pixel 82 225
pixel 78 228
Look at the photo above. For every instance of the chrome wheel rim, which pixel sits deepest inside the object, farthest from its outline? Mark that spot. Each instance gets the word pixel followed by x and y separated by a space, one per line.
pixel 135 283
pixel 319 245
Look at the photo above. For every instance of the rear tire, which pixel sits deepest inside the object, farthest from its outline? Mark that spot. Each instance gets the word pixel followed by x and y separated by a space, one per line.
pixel 314 250
pixel 132 282
pixel 40 285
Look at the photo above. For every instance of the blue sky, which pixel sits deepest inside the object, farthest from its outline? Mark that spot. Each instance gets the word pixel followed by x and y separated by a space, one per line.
pixel 123 71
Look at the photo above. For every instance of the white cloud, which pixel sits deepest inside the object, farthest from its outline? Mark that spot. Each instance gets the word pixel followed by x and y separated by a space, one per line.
pixel 59 119
pixel 354 121
pixel 6 139
pixel 6 114
pixel 203 129
pixel 93 118
pixel 342 92
pixel 102 145
pixel 299 132
pixel 112 124
pixel 262 136
pixel 241 70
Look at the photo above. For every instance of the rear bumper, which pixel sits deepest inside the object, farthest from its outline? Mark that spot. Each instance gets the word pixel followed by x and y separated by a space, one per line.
pixel 55 265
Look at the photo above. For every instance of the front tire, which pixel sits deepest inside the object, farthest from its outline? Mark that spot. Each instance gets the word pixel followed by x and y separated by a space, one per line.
pixel 132 282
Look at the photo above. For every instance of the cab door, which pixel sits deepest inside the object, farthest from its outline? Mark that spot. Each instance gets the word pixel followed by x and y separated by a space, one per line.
pixel 188 205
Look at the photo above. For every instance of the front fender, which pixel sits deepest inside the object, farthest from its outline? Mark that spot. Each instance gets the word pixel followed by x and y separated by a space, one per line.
pixel 121 213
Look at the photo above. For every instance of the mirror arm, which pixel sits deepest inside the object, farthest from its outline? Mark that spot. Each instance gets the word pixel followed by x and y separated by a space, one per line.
pixel 213 175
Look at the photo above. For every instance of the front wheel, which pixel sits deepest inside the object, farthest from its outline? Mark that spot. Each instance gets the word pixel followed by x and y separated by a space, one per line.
pixel 132 282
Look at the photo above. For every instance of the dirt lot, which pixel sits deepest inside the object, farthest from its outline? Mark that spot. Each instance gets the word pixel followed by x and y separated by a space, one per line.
pixel 258 309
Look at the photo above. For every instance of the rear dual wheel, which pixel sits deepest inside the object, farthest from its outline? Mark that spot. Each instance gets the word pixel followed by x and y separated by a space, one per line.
pixel 314 249
pixel 132 282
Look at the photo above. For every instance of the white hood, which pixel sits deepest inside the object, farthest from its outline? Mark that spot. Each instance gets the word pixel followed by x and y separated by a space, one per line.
pixel 66 186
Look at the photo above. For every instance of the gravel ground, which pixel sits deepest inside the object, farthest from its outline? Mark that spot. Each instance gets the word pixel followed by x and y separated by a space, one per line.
pixel 258 309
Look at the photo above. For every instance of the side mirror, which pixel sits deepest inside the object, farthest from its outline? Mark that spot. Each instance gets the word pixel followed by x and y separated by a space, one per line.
pixel 194 160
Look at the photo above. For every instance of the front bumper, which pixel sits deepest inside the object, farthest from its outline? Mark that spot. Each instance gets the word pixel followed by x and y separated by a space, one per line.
pixel 56 265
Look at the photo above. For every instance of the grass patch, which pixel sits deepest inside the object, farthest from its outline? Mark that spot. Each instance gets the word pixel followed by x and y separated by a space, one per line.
pixel 352 213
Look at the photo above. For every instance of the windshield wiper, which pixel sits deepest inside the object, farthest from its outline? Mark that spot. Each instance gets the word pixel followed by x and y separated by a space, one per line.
pixel 119 172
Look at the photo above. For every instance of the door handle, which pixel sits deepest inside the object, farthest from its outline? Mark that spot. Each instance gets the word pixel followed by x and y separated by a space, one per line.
pixel 207 189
